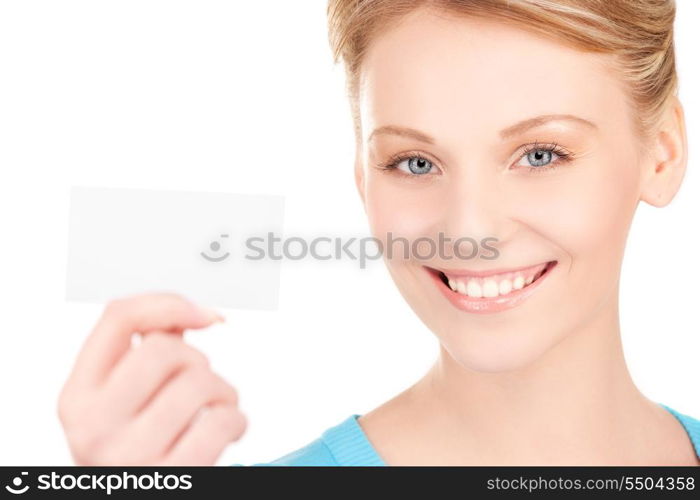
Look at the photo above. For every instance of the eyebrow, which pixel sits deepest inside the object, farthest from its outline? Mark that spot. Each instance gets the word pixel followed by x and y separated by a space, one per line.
pixel 401 132
pixel 507 132
pixel 541 120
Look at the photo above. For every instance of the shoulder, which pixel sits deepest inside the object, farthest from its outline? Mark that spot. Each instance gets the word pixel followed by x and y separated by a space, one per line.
pixel 691 426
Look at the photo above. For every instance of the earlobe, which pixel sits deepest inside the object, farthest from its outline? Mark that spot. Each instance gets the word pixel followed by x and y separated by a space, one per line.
pixel 669 158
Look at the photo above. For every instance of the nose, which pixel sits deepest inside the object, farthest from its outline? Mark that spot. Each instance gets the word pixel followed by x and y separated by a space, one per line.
pixel 475 207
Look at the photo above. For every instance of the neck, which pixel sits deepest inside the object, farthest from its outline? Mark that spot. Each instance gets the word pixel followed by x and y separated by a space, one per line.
pixel 573 401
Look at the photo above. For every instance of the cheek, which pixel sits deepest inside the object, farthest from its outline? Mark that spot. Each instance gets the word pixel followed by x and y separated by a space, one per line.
pixel 586 212
pixel 401 208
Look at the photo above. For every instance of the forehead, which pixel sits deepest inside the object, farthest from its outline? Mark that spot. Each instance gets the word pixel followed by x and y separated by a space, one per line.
pixel 448 75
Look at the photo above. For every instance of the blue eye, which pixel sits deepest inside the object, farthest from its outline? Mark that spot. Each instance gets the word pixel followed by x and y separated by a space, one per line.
pixel 416 165
pixel 412 165
pixel 539 157
pixel 544 157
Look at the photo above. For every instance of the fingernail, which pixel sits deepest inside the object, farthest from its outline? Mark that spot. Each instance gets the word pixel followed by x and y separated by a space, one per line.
pixel 211 315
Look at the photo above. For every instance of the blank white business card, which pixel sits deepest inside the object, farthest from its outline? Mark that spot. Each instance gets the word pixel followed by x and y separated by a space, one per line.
pixel 128 241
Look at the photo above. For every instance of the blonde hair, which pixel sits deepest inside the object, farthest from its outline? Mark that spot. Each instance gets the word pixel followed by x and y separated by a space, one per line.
pixel 637 34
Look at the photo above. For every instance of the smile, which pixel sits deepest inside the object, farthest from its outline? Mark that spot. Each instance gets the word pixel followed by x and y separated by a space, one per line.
pixel 490 291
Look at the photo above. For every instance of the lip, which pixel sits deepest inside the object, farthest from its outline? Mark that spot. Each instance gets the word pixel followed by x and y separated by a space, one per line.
pixel 491 272
pixel 487 305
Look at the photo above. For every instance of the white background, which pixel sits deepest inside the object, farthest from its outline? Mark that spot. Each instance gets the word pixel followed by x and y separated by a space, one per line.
pixel 243 97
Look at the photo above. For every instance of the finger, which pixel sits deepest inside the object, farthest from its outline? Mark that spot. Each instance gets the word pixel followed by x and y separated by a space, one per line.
pixel 111 337
pixel 144 369
pixel 208 436
pixel 174 407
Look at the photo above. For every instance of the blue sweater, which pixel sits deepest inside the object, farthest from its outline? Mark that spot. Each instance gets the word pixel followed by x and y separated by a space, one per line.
pixel 346 444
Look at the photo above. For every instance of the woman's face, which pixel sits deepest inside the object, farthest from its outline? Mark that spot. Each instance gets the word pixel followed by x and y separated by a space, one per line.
pixel 447 102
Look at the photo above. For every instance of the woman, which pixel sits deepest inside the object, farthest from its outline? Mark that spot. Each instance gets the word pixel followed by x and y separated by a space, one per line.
pixel 536 126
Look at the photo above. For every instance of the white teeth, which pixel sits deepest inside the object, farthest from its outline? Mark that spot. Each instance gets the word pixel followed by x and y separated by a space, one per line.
pixel 518 282
pixel 490 288
pixel 505 287
pixel 474 289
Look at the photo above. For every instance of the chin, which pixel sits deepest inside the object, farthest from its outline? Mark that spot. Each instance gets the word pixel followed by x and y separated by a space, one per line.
pixel 492 353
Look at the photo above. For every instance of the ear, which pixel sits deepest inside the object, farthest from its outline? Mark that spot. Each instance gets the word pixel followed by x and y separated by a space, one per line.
pixel 668 159
pixel 360 179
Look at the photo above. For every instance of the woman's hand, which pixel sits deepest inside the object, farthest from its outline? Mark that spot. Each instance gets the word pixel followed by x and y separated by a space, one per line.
pixel 155 403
